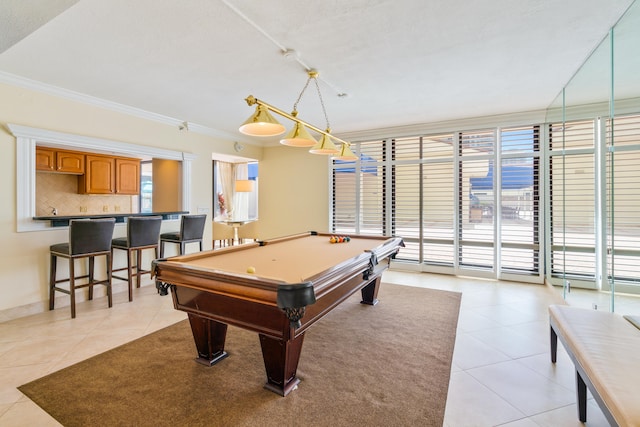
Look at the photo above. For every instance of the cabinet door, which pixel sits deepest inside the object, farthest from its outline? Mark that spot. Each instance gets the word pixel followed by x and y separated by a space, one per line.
pixel 45 159
pixel 99 176
pixel 127 176
pixel 70 162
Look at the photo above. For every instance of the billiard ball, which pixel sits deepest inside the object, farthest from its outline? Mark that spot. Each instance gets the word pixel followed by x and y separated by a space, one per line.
pixel 251 270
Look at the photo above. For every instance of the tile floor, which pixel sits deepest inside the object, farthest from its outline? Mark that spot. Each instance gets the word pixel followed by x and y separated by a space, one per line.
pixel 501 373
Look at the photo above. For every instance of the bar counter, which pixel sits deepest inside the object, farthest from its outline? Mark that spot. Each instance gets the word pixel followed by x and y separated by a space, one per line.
pixel 63 220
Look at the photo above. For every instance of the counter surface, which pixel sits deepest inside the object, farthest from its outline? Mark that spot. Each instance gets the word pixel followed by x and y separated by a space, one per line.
pixel 63 221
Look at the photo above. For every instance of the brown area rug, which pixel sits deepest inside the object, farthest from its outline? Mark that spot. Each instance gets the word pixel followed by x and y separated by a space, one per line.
pixel 361 365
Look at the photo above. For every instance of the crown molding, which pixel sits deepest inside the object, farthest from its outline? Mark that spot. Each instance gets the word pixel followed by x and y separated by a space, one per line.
pixel 473 123
pixel 13 80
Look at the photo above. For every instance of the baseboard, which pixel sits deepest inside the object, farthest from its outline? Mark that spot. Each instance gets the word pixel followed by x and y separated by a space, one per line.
pixel 62 301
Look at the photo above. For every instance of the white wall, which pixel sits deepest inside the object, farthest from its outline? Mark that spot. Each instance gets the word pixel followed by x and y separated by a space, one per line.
pixel 294 192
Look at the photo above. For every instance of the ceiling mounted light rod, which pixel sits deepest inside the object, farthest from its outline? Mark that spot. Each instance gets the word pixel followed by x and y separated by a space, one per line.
pixel 252 100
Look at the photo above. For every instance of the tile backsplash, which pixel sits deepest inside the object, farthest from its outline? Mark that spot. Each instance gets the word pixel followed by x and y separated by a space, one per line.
pixel 60 192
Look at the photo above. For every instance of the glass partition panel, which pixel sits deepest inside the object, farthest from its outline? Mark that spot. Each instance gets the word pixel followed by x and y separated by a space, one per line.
pixel 604 98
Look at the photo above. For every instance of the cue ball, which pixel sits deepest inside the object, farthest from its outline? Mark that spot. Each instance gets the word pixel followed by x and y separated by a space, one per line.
pixel 251 270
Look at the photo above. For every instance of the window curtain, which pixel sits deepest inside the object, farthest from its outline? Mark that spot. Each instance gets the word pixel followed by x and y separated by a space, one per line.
pixel 241 200
pixel 227 180
pixel 236 204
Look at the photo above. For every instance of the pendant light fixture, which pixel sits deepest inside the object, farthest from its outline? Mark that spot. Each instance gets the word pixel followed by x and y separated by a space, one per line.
pixel 262 123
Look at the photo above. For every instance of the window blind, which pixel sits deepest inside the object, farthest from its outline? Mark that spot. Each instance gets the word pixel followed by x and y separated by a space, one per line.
pixel 406 195
pixel 572 199
pixel 519 200
pixel 476 176
pixel 623 199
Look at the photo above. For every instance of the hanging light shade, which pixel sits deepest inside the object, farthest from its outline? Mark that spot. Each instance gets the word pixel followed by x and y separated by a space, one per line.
pixel 325 146
pixel 298 136
pixel 262 123
pixel 345 154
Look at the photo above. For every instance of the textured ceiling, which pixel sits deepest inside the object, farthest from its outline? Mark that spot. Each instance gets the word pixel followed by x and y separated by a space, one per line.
pixel 400 62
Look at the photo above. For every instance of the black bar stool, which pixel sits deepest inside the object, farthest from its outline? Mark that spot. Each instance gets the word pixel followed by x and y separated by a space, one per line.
pixel 88 238
pixel 142 233
pixel 191 231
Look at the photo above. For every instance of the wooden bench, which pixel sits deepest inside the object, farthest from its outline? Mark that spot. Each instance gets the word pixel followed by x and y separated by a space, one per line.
pixel 605 349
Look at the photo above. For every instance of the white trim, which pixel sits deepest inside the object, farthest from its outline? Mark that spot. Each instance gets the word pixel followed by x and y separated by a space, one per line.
pixel 66 140
pixel 186 181
pixel 26 185
pixel 26 138
pixel 550 114
pixel 463 125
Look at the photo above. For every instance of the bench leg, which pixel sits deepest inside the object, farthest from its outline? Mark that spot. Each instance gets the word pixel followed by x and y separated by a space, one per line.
pixel 554 345
pixel 581 391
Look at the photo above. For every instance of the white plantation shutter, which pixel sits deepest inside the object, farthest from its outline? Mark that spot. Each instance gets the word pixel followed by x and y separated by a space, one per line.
pixel 372 191
pixel 358 192
pixel 438 203
pixel 572 200
pixel 476 189
pixel 439 193
pixel 519 200
pixel 406 194
pixel 344 200
pixel 472 202
pixel 623 200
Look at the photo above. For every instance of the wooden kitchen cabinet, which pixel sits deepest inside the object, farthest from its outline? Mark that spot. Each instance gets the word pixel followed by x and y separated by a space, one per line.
pixel 127 176
pixel 99 175
pixel 69 162
pixel 61 161
pixel 45 159
pixel 110 175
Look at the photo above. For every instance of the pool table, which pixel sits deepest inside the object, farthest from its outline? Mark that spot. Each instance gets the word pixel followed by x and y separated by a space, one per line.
pixel 277 288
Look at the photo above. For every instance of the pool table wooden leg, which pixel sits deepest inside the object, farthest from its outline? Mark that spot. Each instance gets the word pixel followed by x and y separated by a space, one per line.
pixel 281 363
pixel 209 337
pixel 370 292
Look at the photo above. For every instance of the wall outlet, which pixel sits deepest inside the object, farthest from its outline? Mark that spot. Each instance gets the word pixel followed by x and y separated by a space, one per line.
pixel 105 208
pixel 116 208
pixel 83 208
